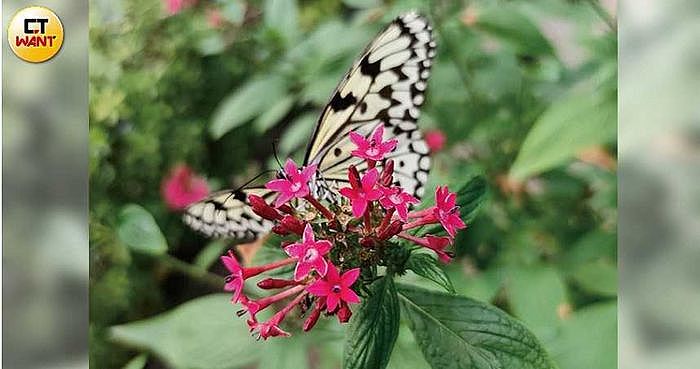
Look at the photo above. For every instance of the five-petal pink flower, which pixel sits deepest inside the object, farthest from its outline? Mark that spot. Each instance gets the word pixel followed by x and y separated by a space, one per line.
pixel 447 211
pixel 372 147
pixel 360 194
pixel 182 187
pixel 294 185
pixel 336 287
pixel 310 254
pixel 397 198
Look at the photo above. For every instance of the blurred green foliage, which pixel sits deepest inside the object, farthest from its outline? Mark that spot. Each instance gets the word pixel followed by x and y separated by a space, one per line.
pixel 525 92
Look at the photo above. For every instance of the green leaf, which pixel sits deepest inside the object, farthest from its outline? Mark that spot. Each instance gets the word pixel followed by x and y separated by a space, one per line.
pixel 373 329
pixel 425 265
pixel 272 116
pixel 282 16
pixel 362 4
pixel 599 276
pixel 298 133
pixel 210 253
pixel 541 313
pixel 247 102
pixel 569 125
pixel 456 332
pixel 588 339
pixel 470 197
pixel 509 25
pixel 138 230
pixel 200 334
pixel 139 362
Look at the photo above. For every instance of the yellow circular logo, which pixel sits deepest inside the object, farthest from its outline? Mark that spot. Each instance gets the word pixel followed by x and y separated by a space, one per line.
pixel 35 34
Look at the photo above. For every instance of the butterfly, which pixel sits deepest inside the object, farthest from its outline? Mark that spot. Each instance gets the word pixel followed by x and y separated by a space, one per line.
pixel 385 85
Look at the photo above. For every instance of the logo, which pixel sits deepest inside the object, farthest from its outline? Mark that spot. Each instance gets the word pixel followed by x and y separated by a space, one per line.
pixel 35 34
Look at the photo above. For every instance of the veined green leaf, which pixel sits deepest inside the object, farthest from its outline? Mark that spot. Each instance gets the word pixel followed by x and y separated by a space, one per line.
pixel 562 131
pixel 250 100
pixel 373 329
pixel 456 332
pixel 200 334
pixel 138 230
pixel 425 265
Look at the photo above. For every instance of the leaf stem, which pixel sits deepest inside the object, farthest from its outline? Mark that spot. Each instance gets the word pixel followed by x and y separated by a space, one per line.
pixel 192 271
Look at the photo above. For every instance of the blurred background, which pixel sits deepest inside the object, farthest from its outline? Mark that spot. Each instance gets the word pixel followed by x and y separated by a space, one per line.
pixel 195 92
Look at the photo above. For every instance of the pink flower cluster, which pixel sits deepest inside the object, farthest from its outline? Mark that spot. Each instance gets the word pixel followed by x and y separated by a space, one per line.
pixel 341 245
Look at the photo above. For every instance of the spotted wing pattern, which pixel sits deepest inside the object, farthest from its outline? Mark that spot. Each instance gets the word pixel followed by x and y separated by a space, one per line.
pixel 386 85
pixel 227 214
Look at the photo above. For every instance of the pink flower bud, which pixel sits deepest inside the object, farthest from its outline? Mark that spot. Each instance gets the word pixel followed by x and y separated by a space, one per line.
pixel 387 176
pixel 292 225
pixel 272 283
pixel 261 208
pixel 344 313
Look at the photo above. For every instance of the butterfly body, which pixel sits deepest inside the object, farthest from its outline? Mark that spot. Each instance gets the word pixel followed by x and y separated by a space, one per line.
pixel 385 86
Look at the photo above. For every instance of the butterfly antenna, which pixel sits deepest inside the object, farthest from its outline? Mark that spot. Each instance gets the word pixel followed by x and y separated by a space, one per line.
pixel 255 178
pixel 274 152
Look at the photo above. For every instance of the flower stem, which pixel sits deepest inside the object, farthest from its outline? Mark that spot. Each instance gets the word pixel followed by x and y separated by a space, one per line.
pixel 326 213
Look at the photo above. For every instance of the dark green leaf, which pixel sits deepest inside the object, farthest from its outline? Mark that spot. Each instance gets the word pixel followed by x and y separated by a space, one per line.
pixel 247 102
pixel 202 333
pixel 138 230
pixel 563 130
pixel 456 332
pixel 425 265
pixel 469 199
pixel 373 329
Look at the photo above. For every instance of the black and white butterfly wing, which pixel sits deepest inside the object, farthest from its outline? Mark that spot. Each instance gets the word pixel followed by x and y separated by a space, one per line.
pixel 226 214
pixel 386 85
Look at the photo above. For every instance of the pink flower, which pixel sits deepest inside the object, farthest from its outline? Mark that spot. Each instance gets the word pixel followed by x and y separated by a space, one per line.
pixel 182 187
pixel 175 6
pixel 372 149
pixel 362 192
pixel 309 254
pixel 397 198
pixel 446 210
pixel 435 139
pixel 271 327
pixel 336 288
pixel 438 244
pixel 253 307
pixel 238 274
pixel 294 185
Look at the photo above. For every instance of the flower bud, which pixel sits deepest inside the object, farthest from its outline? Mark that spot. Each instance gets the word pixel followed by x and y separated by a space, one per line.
pixel 272 283
pixel 280 230
pixel 292 225
pixel 344 313
pixel 310 322
pixel 261 208
pixel 286 209
pixel 354 177
pixel 387 176
pixel 390 231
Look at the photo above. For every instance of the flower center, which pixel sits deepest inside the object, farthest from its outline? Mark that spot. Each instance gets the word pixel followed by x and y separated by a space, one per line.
pixel 296 186
pixel 372 151
pixel 336 288
pixel 311 254
pixel 395 198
